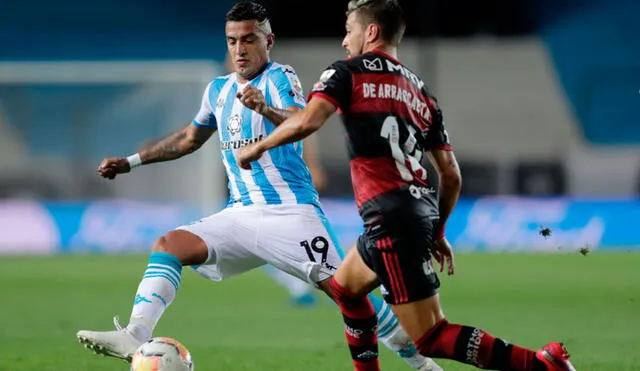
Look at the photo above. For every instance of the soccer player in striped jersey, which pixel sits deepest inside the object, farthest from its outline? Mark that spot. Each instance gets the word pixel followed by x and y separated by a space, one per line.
pixel 273 215
pixel 392 121
pixel 302 293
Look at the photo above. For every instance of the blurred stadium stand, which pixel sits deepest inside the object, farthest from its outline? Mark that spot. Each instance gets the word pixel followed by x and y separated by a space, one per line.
pixel 541 98
pixel 518 83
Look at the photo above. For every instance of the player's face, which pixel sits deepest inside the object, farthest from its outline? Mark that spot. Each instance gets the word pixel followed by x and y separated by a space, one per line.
pixel 248 47
pixel 353 41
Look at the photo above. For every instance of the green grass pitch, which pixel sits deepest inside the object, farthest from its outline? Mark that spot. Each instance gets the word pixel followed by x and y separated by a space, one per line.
pixel 592 303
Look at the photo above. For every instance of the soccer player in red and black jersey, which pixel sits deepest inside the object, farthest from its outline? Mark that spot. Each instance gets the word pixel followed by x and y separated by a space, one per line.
pixel 392 121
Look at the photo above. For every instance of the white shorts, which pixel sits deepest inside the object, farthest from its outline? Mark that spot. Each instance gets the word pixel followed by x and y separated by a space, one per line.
pixel 296 239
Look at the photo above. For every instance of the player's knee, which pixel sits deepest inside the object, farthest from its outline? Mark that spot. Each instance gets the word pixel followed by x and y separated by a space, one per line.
pixel 187 247
pixel 352 305
pixel 341 294
pixel 161 245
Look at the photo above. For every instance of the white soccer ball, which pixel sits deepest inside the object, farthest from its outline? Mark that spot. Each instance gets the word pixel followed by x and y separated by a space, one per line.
pixel 162 354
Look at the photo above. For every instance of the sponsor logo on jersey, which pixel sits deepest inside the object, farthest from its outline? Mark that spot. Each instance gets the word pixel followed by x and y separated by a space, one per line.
pixel 415 80
pixel 418 192
pixel 235 144
pixel 374 65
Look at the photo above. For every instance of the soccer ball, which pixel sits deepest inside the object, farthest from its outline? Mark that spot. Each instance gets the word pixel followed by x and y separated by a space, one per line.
pixel 162 354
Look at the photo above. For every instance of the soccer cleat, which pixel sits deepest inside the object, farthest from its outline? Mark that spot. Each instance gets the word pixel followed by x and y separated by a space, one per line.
pixel 556 357
pixel 119 344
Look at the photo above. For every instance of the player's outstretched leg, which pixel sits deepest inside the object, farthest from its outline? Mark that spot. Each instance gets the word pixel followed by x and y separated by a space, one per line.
pixel 435 337
pixel 302 293
pixel 393 336
pixel 476 347
pixel 390 333
pixel 155 293
pixel 360 326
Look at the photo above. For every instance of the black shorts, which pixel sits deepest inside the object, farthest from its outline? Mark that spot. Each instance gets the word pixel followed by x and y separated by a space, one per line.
pixel 400 257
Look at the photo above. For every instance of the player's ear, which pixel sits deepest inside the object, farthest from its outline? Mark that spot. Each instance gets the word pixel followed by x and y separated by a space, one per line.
pixel 372 32
pixel 271 40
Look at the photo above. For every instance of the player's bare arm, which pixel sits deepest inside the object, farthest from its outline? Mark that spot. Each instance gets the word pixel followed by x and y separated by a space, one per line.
pixel 450 184
pixel 450 180
pixel 171 147
pixel 297 127
pixel 252 98
pixel 176 145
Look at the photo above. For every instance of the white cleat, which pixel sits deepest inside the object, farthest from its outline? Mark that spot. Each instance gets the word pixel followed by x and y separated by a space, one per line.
pixel 430 365
pixel 119 344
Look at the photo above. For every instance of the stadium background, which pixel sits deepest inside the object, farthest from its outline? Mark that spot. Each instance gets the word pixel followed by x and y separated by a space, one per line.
pixel 541 99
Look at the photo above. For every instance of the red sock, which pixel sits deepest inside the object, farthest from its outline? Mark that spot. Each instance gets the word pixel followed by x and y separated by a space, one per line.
pixel 475 347
pixel 360 327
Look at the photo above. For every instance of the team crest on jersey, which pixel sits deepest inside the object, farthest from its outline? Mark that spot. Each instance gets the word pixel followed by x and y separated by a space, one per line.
pixel 234 125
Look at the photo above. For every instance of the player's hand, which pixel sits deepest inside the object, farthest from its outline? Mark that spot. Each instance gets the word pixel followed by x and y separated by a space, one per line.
pixel 110 167
pixel 442 252
pixel 252 98
pixel 247 154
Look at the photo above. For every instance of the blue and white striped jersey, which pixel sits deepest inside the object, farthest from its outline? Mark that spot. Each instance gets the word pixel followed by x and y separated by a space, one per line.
pixel 281 175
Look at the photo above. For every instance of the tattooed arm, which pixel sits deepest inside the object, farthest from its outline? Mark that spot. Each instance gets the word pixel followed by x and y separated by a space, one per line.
pixel 171 147
pixel 176 145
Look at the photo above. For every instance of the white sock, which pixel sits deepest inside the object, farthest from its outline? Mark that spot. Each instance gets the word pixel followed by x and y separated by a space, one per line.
pixel 393 336
pixel 156 291
pixel 399 342
pixel 295 286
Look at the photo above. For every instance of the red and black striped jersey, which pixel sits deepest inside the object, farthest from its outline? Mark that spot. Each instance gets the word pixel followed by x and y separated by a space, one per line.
pixel 391 119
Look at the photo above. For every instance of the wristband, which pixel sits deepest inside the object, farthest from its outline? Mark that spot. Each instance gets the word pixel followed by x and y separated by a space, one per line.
pixel 134 160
